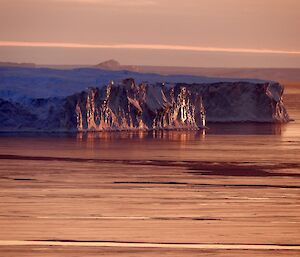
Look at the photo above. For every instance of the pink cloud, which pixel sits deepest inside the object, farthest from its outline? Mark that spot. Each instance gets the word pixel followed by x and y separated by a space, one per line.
pixel 149 47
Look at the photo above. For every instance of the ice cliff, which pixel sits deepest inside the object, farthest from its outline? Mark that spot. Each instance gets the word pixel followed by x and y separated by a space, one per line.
pixel 128 105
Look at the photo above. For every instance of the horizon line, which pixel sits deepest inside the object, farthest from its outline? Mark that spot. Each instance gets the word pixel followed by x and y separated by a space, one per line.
pixel 148 47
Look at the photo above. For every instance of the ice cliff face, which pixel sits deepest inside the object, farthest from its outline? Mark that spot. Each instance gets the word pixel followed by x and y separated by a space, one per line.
pixel 128 106
pixel 243 102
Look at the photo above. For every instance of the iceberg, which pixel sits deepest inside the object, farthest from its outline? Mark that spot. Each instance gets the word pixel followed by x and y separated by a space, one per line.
pixel 130 104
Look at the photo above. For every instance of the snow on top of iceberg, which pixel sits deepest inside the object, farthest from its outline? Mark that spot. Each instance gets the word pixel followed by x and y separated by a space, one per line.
pixel 18 83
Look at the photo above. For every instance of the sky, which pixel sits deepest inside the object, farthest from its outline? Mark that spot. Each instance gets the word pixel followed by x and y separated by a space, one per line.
pixel 203 33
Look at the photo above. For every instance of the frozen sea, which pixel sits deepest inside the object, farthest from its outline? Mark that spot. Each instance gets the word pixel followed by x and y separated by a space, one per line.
pixel 231 191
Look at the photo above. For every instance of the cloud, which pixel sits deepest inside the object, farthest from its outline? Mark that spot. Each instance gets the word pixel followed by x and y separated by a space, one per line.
pixel 149 47
pixel 111 2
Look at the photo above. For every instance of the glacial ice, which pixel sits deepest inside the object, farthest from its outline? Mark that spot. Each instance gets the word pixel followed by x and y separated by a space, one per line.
pixel 131 104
